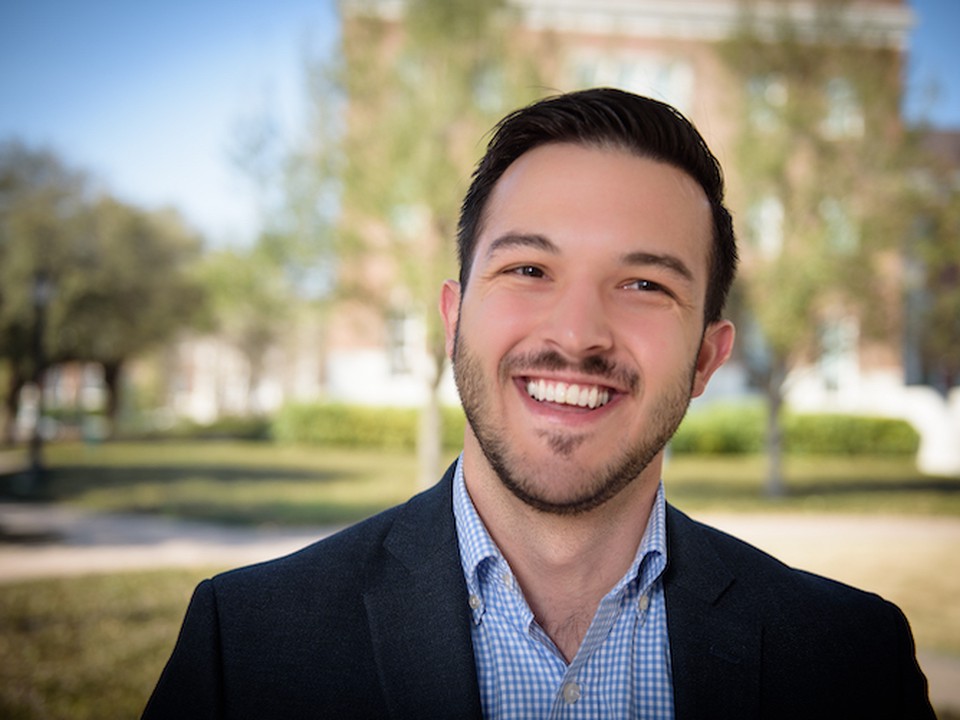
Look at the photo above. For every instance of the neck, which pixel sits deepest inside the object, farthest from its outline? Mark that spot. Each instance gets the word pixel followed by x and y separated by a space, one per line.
pixel 564 564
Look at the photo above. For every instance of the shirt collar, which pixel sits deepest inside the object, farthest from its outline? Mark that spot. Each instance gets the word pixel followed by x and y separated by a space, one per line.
pixel 476 545
pixel 475 542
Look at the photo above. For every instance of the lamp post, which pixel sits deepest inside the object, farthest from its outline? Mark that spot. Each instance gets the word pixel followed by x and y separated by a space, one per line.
pixel 42 293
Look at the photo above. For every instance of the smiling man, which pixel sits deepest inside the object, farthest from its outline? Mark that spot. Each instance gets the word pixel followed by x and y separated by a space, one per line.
pixel 545 576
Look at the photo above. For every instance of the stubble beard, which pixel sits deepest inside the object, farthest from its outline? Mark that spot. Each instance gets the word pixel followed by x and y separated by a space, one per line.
pixel 625 464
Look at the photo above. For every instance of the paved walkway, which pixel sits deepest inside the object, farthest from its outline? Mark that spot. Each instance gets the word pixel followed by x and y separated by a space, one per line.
pixel 39 541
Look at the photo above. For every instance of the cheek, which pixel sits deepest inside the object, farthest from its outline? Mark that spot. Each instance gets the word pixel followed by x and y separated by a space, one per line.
pixel 663 346
pixel 497 323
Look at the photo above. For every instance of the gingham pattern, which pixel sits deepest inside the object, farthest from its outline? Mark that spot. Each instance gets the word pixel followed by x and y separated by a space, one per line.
pixel 622 669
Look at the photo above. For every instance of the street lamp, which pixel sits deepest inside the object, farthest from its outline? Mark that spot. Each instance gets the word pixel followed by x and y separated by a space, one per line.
pixel 41 296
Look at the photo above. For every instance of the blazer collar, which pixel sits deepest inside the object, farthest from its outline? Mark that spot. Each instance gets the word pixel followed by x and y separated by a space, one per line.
pixel 715 651
pixel 416 603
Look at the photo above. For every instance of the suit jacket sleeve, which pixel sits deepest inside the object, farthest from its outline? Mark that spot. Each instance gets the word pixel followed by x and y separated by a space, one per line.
pixel 753 638
pixel 372 622
pixel 190 685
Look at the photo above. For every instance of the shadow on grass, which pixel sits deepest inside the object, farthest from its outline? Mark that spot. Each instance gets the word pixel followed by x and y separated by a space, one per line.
pixel 845 486
pixel 65 483
pixel 827 492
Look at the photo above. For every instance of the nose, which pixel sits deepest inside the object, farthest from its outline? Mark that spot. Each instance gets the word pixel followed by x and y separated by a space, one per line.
pixel 577 323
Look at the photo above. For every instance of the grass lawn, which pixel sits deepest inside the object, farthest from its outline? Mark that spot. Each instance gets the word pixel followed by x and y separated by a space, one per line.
pixel 92 647
pixel 262 483
pixel 88 648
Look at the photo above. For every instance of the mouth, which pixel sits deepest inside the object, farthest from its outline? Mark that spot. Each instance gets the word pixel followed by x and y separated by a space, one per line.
pixel 572 394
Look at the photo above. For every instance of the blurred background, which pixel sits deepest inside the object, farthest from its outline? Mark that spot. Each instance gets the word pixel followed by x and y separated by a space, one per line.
pixel 223 227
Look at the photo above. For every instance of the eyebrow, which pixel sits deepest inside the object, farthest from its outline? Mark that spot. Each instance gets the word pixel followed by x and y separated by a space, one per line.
pixel 530 240
pixel 670 262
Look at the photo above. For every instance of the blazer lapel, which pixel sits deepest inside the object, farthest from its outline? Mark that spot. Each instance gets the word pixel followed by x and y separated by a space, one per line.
pixel 715 652
pixel 416 602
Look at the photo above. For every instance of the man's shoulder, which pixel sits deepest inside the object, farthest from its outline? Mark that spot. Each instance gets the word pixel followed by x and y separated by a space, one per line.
pixel 754 573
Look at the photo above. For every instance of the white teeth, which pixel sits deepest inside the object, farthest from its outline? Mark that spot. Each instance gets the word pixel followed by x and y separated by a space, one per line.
pixel 563 394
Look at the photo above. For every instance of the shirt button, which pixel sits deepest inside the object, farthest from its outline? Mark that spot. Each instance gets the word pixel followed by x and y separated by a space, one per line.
pixel 644 602
pixel 571 693
pixel 474 602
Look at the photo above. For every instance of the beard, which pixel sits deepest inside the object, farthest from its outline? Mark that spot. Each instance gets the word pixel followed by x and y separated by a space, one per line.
pixel 627 459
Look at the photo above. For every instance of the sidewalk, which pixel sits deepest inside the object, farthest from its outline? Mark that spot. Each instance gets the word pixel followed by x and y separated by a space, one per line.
pixel 40 541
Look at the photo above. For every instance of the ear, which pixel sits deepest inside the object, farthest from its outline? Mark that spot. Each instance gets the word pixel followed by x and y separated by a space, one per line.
pixel 715 348
pixel 450 311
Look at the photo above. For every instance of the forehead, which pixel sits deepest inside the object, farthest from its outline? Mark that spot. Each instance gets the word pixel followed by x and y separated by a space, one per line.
pixel 601 199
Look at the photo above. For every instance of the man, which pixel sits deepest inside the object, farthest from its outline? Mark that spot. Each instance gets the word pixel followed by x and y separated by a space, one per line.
pixel 545 575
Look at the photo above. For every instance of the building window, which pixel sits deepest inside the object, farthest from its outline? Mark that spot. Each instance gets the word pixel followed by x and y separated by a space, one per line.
pixel 765 226
pixel 662 77
pixel 839 359
pixel 400 340
pixel 841 231
pixel 766 102
pixel 844 117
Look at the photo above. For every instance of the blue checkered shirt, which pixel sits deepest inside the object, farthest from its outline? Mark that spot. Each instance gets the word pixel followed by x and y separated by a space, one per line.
pixel 622 669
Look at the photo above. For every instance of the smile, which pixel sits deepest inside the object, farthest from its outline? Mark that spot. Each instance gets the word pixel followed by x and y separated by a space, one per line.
pixel 585 396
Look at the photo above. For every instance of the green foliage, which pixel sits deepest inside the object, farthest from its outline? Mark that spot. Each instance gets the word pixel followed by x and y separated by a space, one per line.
pixel 721 430
pixel 824 434
pixel 225 428
pixel 117 279
pixel 359 426
pixel 740 429
pixel 932 253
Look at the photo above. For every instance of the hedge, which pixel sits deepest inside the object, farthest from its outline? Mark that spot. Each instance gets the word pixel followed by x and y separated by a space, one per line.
pixel 740 429
pixel 716 429
pixel 360 426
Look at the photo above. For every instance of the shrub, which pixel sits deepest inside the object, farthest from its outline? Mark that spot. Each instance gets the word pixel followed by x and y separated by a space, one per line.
pixel 359 426
pixel 849 435
pixel 229 427
pixel 721 430
pixel 740 429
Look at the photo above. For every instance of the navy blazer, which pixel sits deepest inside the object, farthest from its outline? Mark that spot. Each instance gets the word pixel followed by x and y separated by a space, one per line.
pixel 373 622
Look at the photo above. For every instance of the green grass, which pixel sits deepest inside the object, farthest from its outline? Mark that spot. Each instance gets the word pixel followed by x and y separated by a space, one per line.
pixel 229 482
pixel 869 484
pixel 90 647
pixel 260 483
pixel 93 647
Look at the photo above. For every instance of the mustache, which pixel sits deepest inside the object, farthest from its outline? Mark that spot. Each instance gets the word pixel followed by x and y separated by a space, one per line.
pixel 601 368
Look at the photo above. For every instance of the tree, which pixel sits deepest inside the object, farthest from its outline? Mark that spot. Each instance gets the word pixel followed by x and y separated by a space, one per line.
pixel 817 150
pixel 126 287
pixel 407 107
pixel 933 255
pixel 41 199
pixel 119 277
pixel 250 304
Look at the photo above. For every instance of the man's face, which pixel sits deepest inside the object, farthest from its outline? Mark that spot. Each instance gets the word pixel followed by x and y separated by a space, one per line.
pixel 579 339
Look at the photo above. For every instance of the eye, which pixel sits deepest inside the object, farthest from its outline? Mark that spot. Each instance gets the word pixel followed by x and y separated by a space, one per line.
pixel 531 271
pixel 645 286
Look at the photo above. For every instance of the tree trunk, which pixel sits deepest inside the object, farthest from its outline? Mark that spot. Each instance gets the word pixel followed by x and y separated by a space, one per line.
pixel 11 403
pixel 775 487
pixel 430 430
pixel 111 377
pixel 429 440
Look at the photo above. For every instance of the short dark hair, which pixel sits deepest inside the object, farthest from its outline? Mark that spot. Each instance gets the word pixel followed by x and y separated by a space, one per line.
pixel 606 118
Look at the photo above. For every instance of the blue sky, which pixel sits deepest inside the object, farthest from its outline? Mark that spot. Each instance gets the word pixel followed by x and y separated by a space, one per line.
pixel 148 96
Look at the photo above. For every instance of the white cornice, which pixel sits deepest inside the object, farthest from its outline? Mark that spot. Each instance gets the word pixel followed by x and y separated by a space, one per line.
pixel 881 23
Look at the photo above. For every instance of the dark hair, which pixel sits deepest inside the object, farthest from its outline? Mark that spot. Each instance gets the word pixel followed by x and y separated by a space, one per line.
pixel 604 117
